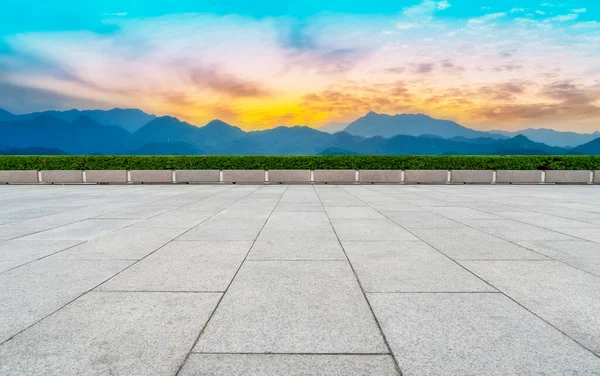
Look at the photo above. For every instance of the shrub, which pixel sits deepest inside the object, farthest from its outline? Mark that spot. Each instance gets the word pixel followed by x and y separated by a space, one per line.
pixel 299 162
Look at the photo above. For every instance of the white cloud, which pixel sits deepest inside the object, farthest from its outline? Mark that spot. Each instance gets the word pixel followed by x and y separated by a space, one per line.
pixel 441 5
pixel 426 9
pixel 540 12
pixel 588 24
pixel 563 18
pixel 485 19
pixel 579 10
pixel 517 10
pixel 407 25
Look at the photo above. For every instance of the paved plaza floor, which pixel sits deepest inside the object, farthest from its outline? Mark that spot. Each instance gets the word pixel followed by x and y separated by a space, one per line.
pixel 299 280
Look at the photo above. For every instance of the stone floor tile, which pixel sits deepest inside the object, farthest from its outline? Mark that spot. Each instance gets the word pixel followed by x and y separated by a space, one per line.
pixel 127 243
pixel 580 254
pixel 475 334
pixel 29 293
pixel 84 230
pixel 184 266
pixel 297 306
pixel 111 333
pixel 17 252
pixel 370 230
pixel 292 365
pixel 225 229
pixel 408 266
pixel 296 250
pixel 468 243
pixel 566 297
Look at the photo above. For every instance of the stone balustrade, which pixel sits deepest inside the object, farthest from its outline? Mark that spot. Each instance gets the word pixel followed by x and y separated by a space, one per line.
pixel 301 177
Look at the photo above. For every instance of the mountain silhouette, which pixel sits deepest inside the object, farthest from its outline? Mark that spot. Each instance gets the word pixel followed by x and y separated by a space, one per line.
pixel 590 148
pixel 129 119
pixel 171 136
pixel 374 124
pixel 427 145
pixel 333 127
pixel 82 136
pixel 31 151
pixel 166 148
pixel 552 137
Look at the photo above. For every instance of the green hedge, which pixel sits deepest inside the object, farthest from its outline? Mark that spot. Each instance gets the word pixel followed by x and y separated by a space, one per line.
pixel 299 162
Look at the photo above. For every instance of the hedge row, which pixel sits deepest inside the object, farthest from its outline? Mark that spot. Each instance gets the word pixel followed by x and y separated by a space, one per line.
pixel 299 162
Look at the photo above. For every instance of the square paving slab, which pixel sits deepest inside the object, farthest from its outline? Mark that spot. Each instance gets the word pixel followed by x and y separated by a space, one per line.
pixel 108 333
pixel 475 334
pixel 224 279
pixel 297 306
pixel 293 365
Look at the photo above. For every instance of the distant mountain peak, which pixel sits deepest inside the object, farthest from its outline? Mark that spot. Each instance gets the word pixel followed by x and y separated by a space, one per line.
pixel 521 138
pixel 216 123
pixel 374 124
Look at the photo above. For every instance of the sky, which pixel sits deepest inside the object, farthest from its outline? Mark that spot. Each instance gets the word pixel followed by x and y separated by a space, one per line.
pixel 485 64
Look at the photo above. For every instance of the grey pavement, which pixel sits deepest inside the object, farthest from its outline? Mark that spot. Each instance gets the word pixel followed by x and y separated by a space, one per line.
pixel 299 280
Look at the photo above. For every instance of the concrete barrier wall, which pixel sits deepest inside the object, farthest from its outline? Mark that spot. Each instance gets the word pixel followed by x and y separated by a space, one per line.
pixel 61 176
pixel 197 176
pixel 151 176
pixel 472 176
pixel 426 176
pixel 381 176
pixel 519 177
pixel 244 176
pixel 16 177
pixel 289 176
pixel 106 176
pixel 335 176
pixel 301 176
pixel 568 177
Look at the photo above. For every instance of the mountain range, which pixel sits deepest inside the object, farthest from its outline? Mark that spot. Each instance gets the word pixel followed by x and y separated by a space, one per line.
pixel 131 131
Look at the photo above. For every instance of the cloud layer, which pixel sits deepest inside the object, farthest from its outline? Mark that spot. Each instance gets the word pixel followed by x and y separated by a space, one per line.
pixel 509 68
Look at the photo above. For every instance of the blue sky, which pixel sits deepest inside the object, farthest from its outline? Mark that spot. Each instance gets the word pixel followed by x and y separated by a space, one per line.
pixel 495 64
pixel 38 15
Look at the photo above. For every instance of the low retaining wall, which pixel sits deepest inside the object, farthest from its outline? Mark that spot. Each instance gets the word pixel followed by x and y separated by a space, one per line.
pixel 426 176
pixel 335 176
pixel 106 176
pixel 381 176
pixel 301 176
pixel 197 176
pixel 61 176
pixel 19 177
pixel 472 176
pixel 519 177
pixel 569 177
pixel 289 176
pixel 244 176
pixel 151 176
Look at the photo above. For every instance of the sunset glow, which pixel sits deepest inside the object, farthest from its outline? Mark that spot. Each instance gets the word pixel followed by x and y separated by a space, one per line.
pixel 497 65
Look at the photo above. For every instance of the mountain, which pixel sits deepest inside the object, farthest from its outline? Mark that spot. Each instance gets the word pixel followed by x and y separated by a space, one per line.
pixel 31 151
pixel 553 137
pixel 170 136
pixel 590 148
pixel 128 119
pixel 82 136
pixel 374 124
pixel 6 116
pixel 291 140
pixel 166 148
pixel 164 129
pixel 333 127
pixel 427 145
